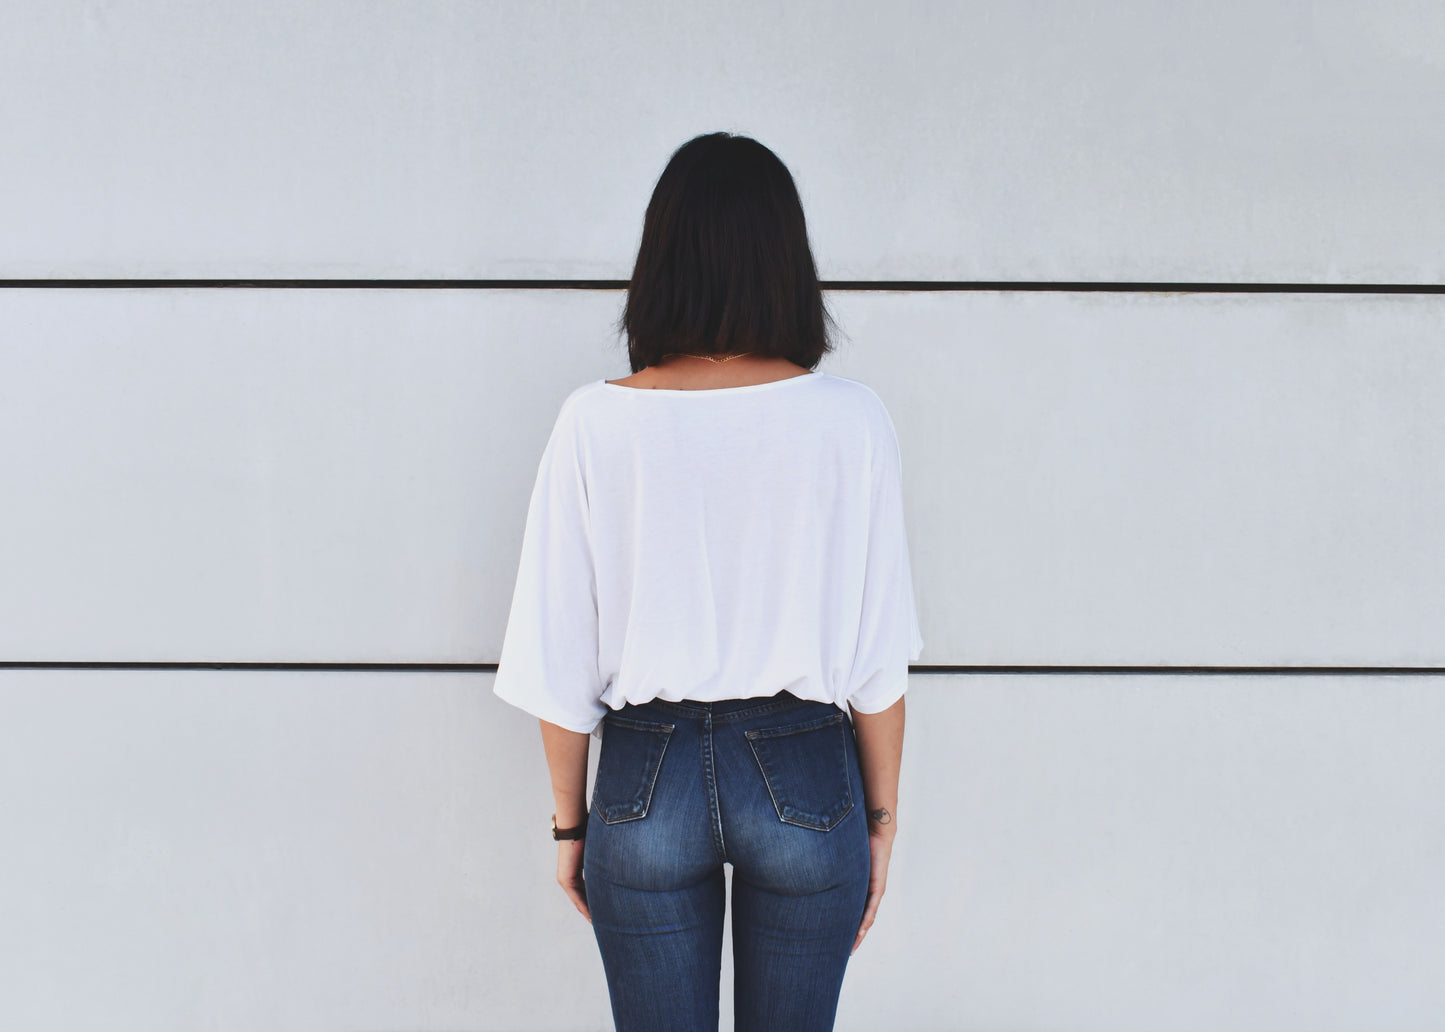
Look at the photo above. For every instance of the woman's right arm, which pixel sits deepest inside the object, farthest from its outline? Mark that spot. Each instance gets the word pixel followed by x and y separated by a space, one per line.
pixel 880 753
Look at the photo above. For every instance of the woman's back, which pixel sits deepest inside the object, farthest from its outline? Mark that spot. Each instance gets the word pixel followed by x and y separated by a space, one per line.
pixel 739 541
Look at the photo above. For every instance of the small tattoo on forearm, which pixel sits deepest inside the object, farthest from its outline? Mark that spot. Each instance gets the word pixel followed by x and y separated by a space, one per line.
pixel 880 815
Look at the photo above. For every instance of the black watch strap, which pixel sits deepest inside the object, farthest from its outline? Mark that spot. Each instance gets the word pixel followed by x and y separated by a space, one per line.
pixel 568 833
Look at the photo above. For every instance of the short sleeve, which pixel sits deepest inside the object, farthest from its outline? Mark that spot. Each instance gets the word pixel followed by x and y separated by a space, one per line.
pixel 888 632
pixel 548 665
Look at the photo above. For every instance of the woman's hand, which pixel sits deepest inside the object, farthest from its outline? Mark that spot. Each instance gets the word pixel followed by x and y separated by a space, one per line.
pixel 569 873
pixel 880 848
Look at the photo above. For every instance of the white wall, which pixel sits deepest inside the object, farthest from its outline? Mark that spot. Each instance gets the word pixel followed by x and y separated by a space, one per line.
pixel 324 475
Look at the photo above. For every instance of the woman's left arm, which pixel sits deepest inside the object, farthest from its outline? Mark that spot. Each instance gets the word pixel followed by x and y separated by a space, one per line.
pixel 567 761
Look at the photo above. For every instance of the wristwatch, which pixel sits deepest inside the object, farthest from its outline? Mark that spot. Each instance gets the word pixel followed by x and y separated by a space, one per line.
pixel 568 833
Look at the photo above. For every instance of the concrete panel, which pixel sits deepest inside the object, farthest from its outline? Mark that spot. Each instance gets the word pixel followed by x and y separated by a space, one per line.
pixel 282 851
pixel 1091 478
pixel 1249 140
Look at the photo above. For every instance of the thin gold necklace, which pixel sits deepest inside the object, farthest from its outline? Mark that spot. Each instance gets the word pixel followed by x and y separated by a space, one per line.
pixel 710 358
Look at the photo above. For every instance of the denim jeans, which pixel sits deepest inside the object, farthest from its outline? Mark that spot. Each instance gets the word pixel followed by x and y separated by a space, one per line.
pixel 770 785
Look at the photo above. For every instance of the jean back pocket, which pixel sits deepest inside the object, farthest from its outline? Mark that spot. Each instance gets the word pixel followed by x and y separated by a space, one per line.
pixel 627 767
pixel 805 766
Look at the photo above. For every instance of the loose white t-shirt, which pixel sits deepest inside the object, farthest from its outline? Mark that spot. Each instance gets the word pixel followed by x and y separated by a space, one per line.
pixel 712 544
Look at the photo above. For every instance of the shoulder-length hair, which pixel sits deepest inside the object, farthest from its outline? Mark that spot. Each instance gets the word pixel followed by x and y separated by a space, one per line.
pixel 724 265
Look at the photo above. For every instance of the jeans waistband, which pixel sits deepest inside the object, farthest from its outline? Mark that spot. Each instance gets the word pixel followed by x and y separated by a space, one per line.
pixel 724 709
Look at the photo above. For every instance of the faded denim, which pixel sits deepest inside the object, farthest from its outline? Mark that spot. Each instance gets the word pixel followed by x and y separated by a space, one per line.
pixel 770 785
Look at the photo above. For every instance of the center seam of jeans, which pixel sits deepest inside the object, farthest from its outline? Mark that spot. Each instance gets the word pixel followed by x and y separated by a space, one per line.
pixel 710 776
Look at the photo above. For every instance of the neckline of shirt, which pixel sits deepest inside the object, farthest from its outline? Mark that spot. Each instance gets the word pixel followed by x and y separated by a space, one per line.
pixel 743 388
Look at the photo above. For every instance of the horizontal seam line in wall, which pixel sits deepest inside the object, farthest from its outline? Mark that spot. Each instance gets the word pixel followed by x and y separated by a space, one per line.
pixel 492 667
pixel 831 285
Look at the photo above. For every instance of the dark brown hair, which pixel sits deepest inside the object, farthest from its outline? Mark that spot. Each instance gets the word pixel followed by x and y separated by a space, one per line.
pixel 724 265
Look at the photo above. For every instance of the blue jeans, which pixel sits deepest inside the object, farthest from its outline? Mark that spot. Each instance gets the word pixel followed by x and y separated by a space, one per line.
pixel 770 785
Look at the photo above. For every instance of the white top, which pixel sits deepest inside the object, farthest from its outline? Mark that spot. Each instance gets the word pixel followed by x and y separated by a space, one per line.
pixel 713 544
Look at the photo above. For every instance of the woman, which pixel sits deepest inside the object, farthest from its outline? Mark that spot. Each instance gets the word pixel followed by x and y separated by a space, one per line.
pixel 714 573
